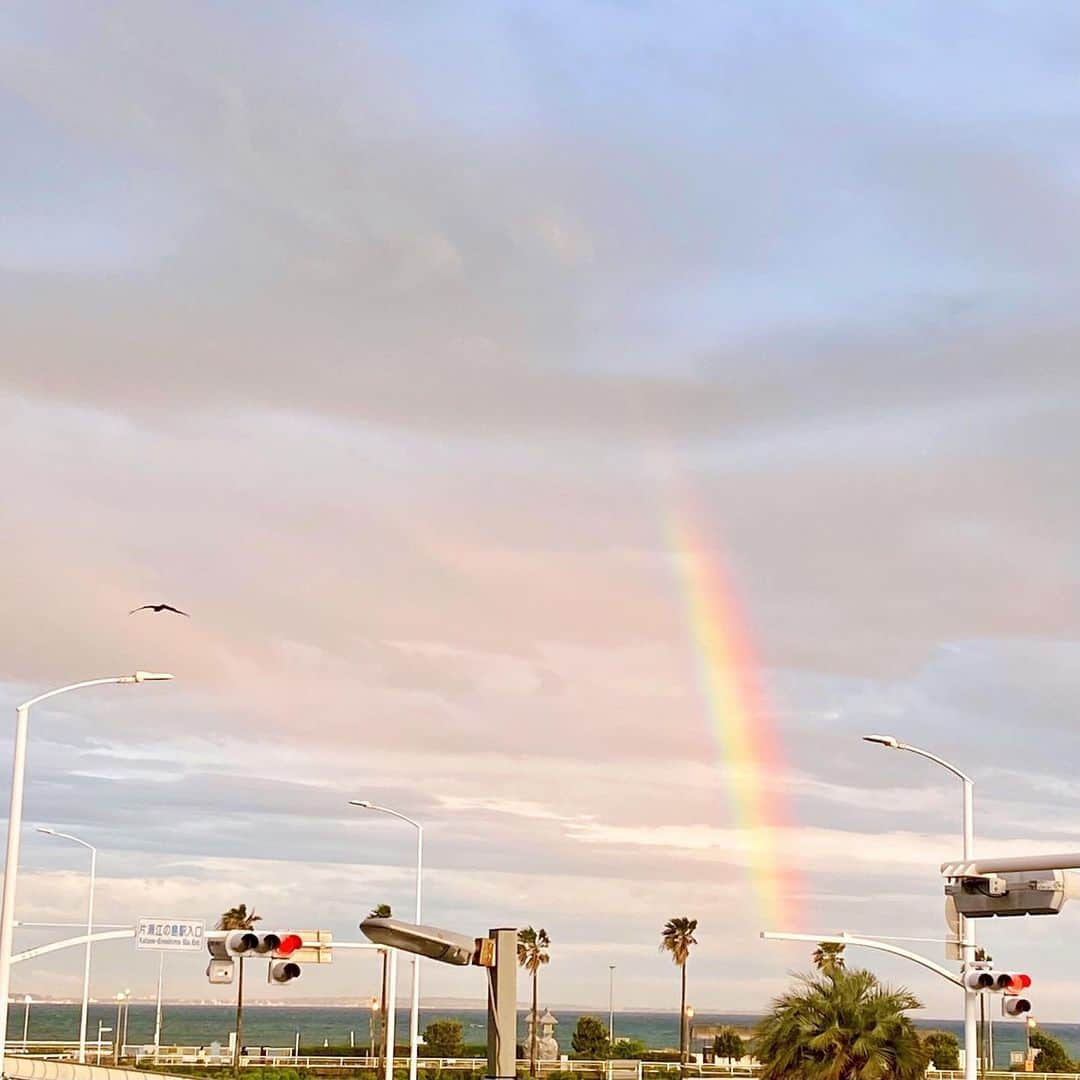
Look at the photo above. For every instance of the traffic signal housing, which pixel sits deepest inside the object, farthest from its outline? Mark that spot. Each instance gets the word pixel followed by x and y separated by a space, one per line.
pixel 1010 984
pixel 286 951
pixel 282 971
pixel 992 980
pixel 1015 1006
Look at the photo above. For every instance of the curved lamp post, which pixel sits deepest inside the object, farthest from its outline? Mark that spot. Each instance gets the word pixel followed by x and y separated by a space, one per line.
pixel 966 930
pixel 414 997
pixel 11 860
pixel 89 932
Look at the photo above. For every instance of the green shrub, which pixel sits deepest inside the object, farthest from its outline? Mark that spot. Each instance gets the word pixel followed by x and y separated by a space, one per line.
pixel 590 1039
pixel 944 1048
pixel 1052 1056
pixel 728 1043
pixel 629 1050
pixel 444 1038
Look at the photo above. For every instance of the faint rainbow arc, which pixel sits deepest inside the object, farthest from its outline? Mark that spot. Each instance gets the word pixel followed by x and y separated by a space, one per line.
pixel 738 718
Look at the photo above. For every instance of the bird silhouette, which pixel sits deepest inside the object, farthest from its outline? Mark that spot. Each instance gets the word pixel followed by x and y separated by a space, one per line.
pixel 159 607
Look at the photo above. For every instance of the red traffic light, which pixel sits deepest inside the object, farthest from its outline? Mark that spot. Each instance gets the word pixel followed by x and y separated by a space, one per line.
pixel 1018 983
pixel 289 944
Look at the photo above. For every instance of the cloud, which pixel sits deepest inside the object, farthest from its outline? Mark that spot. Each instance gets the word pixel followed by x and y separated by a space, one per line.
pixel 390 344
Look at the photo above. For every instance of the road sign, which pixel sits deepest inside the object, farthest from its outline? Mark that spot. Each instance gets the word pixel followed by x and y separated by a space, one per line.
pixel 171 935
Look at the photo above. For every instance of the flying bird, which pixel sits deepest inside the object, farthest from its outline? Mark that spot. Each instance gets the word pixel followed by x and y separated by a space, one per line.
pixel 159 607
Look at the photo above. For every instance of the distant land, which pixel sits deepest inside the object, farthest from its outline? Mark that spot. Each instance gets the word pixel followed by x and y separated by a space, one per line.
pixel 457 1004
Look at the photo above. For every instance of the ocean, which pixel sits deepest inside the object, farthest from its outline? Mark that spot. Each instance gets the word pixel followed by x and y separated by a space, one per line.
pixel 278 1025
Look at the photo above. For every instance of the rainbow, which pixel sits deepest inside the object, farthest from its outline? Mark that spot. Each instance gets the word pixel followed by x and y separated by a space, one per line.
pixel 738 718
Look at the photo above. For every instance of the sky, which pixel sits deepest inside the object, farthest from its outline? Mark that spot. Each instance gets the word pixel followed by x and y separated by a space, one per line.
pixel 389 340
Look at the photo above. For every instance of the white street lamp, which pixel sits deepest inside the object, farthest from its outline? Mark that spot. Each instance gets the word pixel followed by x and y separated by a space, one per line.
pixel 89 932
pixel 965 928
pixel 414 1002
pixel 11 858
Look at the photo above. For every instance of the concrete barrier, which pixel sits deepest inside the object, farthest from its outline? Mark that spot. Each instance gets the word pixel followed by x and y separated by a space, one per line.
pixel 29 1068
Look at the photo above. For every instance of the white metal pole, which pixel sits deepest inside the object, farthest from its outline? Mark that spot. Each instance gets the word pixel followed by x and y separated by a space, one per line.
pixel 611 1004
pixel 27 1001
pixel 966 928
pixel 157 1015
pixel 414 995
pixel 86 959
pixel 391 1010
pixel 116 1033
pixel 11 869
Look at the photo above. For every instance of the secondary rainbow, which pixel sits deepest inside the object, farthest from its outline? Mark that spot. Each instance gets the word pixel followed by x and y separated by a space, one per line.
pixel 727 674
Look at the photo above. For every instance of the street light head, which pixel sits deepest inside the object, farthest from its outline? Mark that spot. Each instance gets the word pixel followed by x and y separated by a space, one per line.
pixel 46 831
pixel 891 741
pixel 151 676
pixel 362 802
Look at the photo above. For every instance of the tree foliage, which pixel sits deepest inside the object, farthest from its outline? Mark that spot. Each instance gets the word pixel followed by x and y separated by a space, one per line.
pixel 590 1039
pixel 943 1048
pixel 1052 1055
pixel 677 938
pixel 728 1043
pixel 829 957
pixel 843 1026
pixel 629 1049
pixel 444 1039
pixel 238 918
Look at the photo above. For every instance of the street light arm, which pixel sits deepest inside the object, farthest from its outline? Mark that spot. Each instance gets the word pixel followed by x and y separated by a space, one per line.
pixel 364 804
pixel 137 677
pixel 894 743
pixel 937 760
pixel 67 836
pixel 867 943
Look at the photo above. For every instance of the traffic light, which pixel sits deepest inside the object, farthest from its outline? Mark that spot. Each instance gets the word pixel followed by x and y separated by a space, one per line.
pixel 987 978
pixel 1009 984
pixel 282 971
pixel 1015 1006
pixel 285 949
pixel 246 942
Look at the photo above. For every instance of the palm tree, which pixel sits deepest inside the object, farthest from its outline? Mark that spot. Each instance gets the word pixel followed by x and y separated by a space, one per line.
pixel 676 938
pixel 238 918
pixel 532 946
pixel 843 1026
pixel 828 957
pixel 382 911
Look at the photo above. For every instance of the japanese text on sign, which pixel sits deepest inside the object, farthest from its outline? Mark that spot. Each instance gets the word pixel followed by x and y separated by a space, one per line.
pixel 175 935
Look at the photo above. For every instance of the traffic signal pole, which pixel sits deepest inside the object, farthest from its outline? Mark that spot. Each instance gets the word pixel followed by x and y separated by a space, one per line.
pixel 966 933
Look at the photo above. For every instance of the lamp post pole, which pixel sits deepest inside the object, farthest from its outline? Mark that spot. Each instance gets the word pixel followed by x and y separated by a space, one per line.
pixel 414 995
pixel 27 1002
pixel 11 859
pixel 965 926
pixel 89 932
pixel 611 1004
